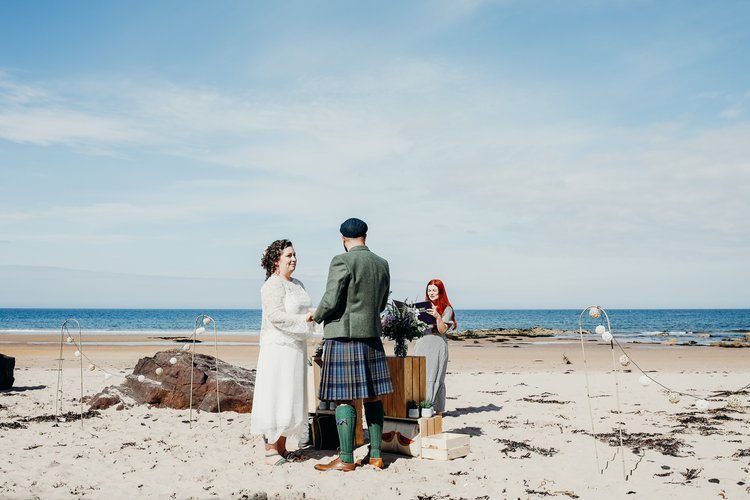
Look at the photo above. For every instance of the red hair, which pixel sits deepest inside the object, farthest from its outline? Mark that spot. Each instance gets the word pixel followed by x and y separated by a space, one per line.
pixel 442 300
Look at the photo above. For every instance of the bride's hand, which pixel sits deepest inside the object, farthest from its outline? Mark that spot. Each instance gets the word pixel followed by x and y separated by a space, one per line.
pixel 310 313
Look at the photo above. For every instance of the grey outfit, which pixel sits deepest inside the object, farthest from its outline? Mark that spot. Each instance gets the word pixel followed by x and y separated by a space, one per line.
pixel 434 347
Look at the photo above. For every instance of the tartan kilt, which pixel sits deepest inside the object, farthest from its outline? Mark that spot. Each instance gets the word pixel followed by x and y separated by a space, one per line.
pixel 354 369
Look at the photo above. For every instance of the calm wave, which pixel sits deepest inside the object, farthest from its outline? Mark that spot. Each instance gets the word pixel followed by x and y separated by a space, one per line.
pixel 703 326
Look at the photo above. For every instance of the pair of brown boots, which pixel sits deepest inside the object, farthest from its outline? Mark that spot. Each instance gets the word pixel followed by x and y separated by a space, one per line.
pixel 338 464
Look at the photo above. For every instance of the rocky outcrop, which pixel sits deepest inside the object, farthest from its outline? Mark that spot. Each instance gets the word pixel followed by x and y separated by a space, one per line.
pixel 509 332
pixel 167 385
pixel 119 395
pixel 7 365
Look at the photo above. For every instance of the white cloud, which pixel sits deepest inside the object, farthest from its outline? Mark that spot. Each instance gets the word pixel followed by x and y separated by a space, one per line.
pixel 63 126
pixel 450 169
pixel 731 113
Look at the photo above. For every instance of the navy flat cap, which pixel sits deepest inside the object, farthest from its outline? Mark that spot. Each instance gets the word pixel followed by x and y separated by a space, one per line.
pixel 353 228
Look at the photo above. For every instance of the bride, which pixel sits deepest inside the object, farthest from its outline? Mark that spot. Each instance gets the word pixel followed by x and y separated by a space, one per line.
pixel 280 399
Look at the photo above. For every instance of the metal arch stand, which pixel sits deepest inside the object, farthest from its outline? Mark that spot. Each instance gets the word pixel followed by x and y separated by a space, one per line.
pixel 199 321
pixel 615 372
pixel 64 334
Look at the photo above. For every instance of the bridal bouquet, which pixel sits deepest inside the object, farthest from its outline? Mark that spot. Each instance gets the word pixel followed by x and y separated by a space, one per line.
pixel 402 324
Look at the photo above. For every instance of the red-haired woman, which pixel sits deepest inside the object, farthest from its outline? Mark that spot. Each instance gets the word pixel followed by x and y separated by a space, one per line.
pixel 434 346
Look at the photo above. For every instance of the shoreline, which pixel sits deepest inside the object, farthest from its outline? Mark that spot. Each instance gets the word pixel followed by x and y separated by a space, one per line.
pixel 513 351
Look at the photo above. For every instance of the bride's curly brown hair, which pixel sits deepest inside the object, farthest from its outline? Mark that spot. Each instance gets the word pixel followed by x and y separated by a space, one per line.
pixel 271 256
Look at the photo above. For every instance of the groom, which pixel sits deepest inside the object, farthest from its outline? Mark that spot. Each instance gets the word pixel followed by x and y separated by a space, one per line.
pixel 354 364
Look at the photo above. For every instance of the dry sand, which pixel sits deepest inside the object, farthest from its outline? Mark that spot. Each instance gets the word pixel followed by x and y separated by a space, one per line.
pixel 524 407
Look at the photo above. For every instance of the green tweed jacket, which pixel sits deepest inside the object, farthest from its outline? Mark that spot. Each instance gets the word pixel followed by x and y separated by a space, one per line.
pixel 356 293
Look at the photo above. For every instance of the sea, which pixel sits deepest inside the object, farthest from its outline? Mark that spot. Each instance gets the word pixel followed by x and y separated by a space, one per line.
pixel 698 326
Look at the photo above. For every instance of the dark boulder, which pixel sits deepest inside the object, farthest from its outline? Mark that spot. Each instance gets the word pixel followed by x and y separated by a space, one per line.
pixel 171 388
pixel 7 365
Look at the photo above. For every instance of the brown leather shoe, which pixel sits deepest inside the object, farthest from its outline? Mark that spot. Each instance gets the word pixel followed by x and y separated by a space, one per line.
pixel 335 464
pixel 375 462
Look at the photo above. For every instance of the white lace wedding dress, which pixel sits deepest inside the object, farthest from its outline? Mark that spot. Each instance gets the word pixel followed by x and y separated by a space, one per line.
pixel 280 399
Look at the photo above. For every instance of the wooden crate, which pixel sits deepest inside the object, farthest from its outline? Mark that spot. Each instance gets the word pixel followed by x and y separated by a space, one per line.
pixel 445 446
pixel 408 375
pixel 430 426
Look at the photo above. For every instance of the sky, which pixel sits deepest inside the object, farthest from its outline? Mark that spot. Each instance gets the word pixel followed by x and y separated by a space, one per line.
pixel 531 154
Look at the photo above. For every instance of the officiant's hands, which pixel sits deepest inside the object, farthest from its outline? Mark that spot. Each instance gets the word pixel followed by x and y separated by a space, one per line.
pixel 440 325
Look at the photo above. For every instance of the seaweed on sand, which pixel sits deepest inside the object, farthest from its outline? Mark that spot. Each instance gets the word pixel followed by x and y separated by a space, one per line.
pixel 706 426
pixel 740 392
pixel 65 417
pixel 12 425
pixel 691 474
pixel 502 424
pixel 664 444
pixel 545 493
pixel 513 446
pixel 544 398
pixel 546 401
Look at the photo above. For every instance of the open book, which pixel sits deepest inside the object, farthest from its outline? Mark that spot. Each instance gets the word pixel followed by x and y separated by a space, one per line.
pixel 421 308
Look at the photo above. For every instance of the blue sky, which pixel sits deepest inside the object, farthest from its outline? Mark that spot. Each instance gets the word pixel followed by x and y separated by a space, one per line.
pixel 534 154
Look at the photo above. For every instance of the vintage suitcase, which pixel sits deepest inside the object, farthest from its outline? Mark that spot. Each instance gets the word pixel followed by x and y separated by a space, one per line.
pixel 404 436
pixel 324 434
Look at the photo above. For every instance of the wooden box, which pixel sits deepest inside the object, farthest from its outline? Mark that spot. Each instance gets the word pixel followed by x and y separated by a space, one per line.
pixel 408 375
pixel 445 446
pixel 430 426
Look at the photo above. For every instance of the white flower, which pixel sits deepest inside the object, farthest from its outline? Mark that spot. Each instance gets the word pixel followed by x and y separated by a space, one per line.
pixel 600 329
pixel 624 360
pixel 674 398
pixel 141 378
pixel 206 321
pixel 734 402
pixel 172 361
pixel 414 313
pixel 701 404
pixel 69 340
pixel 607 337
pixel 594 312
pixel 644 380
pixel 186 347
pixel 159 370
pixel 200 330
pixel 92 368
pixel 77 354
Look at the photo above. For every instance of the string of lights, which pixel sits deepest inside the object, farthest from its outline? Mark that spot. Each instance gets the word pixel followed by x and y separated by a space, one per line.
pixel 732 401
pixel 68 338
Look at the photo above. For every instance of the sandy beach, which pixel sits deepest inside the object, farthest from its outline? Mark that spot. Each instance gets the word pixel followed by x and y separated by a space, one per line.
pixel 523 405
